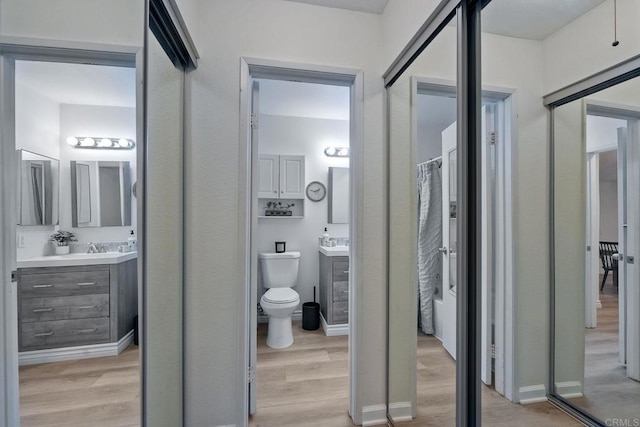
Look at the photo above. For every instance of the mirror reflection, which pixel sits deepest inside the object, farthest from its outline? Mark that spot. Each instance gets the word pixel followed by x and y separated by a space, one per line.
pixel 100 194
pixel 38 189
pixel 597 291
pixel 339 195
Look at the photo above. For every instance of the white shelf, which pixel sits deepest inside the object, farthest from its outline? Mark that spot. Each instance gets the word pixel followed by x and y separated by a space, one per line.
pixel 280 217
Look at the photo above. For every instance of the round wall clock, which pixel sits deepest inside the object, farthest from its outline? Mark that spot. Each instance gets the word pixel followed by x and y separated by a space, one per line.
pixel 316 191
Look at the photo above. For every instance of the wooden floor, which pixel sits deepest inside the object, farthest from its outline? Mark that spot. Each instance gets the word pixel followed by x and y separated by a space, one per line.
pixel 101 392
pixel 307 384
pixel 608 392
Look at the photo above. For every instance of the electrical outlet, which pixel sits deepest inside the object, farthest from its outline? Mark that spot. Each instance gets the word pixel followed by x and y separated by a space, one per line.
pixel 21 239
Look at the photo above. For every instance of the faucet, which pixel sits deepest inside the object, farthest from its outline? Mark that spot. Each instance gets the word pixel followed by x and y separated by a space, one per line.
pixel 92 248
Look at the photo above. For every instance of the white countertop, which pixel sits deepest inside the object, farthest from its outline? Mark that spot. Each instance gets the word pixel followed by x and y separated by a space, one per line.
pixel 335 250
pixel 77 259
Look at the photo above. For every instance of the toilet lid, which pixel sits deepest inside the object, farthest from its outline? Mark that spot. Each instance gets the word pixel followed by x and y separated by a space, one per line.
pixel 280 295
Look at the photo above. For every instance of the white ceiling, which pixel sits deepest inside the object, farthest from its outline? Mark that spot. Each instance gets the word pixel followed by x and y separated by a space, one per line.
pixel 534 19
pixel 80 83
pixel 286 98
pixel 371 6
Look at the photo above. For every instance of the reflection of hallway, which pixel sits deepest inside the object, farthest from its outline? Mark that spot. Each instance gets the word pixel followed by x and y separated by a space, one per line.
pixel 437 400
pixel 608 392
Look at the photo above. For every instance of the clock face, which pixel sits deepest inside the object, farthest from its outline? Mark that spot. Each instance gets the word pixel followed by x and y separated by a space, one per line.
pixel 316 191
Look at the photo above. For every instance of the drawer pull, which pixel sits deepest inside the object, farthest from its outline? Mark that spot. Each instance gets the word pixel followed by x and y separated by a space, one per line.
pixel 344 292
pixel 44 286
pixel 345 311
pixel 43 310
pixel 44 334
pixel 87 307
pixel 87 284
pixel 86 331
pixel 346 272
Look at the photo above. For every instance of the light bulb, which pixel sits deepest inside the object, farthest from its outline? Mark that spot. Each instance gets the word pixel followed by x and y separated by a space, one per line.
pixel 105 142
pixel 88 142
pixel 124 143
pixel 330 151
pixel 72 140
pixel 343 152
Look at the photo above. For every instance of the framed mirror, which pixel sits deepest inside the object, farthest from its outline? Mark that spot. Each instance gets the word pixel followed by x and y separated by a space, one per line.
pixel 338 195
pixel 38 189
pixel 100 194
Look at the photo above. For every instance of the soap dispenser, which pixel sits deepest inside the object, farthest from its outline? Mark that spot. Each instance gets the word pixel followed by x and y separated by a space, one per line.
pixel 325 238
pixel 133 242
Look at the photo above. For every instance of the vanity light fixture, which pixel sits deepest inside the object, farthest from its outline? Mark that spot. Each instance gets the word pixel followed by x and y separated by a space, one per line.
pixel 337 151
pixel 93 142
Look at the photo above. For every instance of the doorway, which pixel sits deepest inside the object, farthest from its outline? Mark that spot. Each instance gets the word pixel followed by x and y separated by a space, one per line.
pixel 337 154
pixel 436 153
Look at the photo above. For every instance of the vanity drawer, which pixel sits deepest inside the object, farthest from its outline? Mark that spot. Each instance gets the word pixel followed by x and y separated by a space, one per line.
pixel 63 333
pixel 64 284
pixel 341 270
pixel 58 308
pixel 341 291
pixel 341 312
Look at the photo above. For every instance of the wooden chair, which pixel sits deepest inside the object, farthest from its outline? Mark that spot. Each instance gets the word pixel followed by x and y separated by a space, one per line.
pixel 607 249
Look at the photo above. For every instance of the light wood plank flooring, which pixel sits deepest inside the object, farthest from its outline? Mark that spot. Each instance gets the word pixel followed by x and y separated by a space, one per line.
pixel 608 392
pixel 307 384
pixel 103 392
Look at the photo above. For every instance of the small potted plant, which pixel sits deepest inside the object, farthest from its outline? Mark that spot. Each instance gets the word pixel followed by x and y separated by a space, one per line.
pixel 62 239
pixel 279 209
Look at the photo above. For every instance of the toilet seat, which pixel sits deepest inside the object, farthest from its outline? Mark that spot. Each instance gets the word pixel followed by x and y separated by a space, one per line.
pixel 280 296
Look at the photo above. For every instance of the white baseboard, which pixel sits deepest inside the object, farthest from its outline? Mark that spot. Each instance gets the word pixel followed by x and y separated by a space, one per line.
pixel 400 412
pixel 333 330
pixel 598 304
pixel 263 318
pixel 532 394
pixel 374 415
pixel 569 389
pixel 75 353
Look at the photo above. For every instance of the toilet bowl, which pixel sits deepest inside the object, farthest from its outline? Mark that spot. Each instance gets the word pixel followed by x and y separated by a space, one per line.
pixel 279 275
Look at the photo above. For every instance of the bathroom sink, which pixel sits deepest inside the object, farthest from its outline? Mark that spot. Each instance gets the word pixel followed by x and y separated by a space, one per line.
pixel 77 259
pixel 335 250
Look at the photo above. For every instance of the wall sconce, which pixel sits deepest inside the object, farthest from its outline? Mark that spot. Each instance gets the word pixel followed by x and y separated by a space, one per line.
pixel 336 151
pixel 93 142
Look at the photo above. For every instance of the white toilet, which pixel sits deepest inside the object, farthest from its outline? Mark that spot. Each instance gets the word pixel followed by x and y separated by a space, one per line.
pixel 279 275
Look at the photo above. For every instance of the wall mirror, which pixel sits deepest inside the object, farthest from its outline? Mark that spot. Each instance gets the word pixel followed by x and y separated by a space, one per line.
pixel 338 195
pixel 596 218
pixel 100 194
pixel 38 189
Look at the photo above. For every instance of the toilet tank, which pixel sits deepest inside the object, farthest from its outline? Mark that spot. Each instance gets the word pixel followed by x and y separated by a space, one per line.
pixel 279 270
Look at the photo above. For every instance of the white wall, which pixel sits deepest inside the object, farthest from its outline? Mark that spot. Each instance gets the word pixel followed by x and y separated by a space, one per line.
pixel 224 31
pixel 583 47
pixel 609 211
pixel 308 137
pixel 602 133
pixel 99 121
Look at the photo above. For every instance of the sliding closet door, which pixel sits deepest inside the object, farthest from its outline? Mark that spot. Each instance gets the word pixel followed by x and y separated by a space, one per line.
pixel 163 240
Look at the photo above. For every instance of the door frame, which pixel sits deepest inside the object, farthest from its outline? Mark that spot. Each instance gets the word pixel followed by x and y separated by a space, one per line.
pixel 251 68
pixel 20 48
pixel 504 299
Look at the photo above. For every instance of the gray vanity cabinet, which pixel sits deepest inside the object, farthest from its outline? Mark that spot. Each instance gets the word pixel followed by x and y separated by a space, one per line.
pixel 78 305
pixel 334 289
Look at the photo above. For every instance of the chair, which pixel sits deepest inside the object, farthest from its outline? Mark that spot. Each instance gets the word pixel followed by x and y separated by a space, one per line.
pixel 607 249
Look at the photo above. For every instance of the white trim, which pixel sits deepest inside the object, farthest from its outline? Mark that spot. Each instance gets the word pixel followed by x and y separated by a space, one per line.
pixel 592 257
pixel 569 389
pixel 532 394
pixel 400 412
pixel 75 353
pixel 247 297
pixel 333 330
pixel 374 415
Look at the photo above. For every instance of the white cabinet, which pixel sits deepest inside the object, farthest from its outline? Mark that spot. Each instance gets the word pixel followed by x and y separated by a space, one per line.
pixel 281 177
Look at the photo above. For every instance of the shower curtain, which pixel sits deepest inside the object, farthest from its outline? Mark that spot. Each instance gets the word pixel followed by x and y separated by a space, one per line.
pixel 429 240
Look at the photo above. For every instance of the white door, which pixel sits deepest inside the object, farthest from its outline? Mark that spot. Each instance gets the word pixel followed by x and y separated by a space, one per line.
pixel 268 170
pixel 292 177
pixel 629 247
pixel 449 238
pixel 622 244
